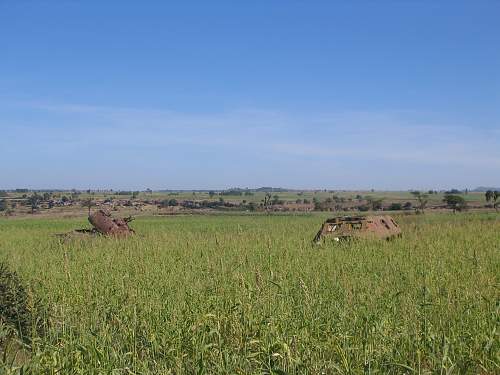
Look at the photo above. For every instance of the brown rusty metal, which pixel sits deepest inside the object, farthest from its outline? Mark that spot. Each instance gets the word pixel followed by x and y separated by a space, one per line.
pixel 104 223
pixel 366 227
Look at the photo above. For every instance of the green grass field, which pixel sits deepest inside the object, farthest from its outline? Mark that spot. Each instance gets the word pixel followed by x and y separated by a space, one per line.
pixel 389 196
pixel 251 295
pixel 289 196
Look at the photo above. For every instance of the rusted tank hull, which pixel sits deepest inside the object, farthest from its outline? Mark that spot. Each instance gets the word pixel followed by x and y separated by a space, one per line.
pixel 366 227
pixel 104 223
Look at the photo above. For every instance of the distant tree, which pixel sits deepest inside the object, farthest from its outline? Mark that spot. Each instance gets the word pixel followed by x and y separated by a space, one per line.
pixel 169 203
pixel 317 204
pixel 489 195
pixel 374 203
pixel 276 200
pixel 89 203
pixel 422 200
pixel 3 193
pixel 211 193
pixel 34 201
pixel 3 205
pixel 298 201
pixel 46 196
pixel 306 201
pixel 135 194
pixel 395 207
pixel 267 200
pixel 496 195
pixel 149 191
pixel 455 202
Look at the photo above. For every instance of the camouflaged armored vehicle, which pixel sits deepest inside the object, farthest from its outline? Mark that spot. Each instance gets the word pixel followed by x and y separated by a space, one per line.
pixel 367 227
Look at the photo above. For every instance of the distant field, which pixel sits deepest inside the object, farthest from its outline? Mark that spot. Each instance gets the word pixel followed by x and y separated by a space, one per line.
pixel 250 295
pixel 293 195
pixel 145 203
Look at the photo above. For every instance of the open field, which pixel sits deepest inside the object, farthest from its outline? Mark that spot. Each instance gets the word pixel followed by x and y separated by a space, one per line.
pixel 391 196
pixel 250 295
pixel 249 188
pixel 148 203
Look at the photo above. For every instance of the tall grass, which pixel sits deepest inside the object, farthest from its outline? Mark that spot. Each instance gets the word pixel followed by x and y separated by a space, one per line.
pixel 251 295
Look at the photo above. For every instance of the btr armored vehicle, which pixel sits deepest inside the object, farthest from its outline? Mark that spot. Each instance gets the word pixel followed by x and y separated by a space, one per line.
pixel 367 227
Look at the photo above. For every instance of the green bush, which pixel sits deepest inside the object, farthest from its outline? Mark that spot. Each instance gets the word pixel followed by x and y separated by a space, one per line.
pixel 15 302
pixel 395 207
pixel 455 202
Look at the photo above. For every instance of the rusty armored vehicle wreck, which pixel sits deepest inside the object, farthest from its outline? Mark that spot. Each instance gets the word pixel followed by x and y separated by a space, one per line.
pixel 364 227
pixel 103 224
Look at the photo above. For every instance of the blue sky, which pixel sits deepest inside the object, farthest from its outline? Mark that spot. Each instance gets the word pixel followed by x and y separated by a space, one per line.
pixel 215 94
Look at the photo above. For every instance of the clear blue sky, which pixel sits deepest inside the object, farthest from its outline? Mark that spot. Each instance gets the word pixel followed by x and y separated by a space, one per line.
pixel 214 94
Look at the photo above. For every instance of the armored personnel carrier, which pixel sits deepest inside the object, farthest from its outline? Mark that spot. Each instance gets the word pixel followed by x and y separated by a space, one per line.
pixel 367 227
